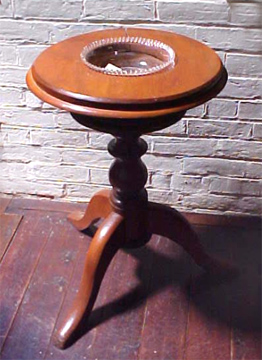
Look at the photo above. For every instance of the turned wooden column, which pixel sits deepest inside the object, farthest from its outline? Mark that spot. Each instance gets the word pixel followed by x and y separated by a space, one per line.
pixel 127 104
pixel 128 176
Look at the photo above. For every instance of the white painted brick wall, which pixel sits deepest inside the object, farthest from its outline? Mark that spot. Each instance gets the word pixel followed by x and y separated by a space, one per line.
pixel 209 162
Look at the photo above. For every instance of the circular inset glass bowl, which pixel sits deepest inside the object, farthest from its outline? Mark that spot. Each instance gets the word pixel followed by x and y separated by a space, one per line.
pixel 128 56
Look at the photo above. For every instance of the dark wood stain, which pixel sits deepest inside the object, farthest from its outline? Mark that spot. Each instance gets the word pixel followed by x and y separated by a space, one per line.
pixel 153 303
pixel 4 202
pixel 18 265
pixel 8 225
pixel 43 205
pixel 164 329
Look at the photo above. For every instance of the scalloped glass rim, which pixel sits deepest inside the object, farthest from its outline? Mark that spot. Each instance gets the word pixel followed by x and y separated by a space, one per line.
pixel 150 43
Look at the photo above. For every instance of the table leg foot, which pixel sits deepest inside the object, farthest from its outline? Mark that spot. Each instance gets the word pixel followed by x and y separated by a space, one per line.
pixel 98 257
pixel 168 222
pixel 99 207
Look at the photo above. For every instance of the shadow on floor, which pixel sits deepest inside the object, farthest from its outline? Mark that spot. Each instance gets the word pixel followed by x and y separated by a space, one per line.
pixel 233 299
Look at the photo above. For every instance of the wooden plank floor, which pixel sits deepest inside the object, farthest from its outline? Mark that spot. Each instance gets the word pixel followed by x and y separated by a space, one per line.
pixel 154 302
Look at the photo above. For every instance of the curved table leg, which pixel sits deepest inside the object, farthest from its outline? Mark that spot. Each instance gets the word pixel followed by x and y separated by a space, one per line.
pixel 98 257
pixel 99 207
pixel 168 222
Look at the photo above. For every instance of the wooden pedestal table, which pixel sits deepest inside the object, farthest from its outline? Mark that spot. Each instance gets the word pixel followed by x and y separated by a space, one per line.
pixel 126 82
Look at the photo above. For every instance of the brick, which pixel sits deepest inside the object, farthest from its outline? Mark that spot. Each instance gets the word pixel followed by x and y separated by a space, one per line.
pixel 222 167
pixel 239 149
pixel 182 29
pixel 99 176
pixel 63 31
pixel 233 39
pixel 177 129
pixel 82 192
pixel 58 173
pixel 187 184
pixel 227 186
pixel 257 131
pixel 8 55
pixel 32 101
pixel 204 162
pixel 226 204
pixel 249 110
pixel 25 117
pixel 99 140
pixel 24 31
pixel 246 14
pixel 11 97
pixel 160 181
pixel 14 135
pixel 199 111
pixel 241 88
pixel 196 12
pixel 27 54
pixel 88 158
pixel 27 153
pixel 219 129
pixel 58 138
pixel 163 196
pixel 222 108
pixel 164 164
pixel 12 76
pixel 6 8
pixel 244 65
pixel 47 107
pixel 13 171
pixel 118 10
pixel 65 121
pixel 55 9
pixel 187 147
pixel 33 188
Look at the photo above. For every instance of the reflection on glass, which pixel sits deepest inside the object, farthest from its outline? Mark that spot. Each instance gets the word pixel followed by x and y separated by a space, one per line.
pixel 128 56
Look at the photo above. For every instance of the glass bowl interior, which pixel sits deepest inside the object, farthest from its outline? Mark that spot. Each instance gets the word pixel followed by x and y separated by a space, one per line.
pixel 128 56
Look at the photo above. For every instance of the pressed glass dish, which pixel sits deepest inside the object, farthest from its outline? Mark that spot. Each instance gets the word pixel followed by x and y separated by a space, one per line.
pixel 128 56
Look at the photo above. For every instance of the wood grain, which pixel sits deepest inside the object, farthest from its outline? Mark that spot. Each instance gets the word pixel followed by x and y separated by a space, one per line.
pixel 37 314
pixel 4 202
pixel 164 330
pixel 83 346
pixel 8 225
pixel 209 321
pixel 197 76
pixel 246 296
pixel 43 205
pixel 141 309
pixel 123 314
pixel 18 265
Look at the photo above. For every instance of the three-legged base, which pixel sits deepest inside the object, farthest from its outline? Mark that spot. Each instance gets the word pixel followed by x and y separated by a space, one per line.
pixel 113 234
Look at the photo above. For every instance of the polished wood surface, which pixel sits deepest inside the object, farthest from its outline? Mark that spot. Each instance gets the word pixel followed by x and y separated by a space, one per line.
pixel 153 303
pixel 98 258
pixel 196 67
pixel 126 107
pixel 99 207
pixel 59 77
pixel 136 219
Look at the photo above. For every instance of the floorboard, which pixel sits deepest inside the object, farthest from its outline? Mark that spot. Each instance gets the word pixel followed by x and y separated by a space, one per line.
pixel 164 329
pixel 154 303
pixel 44 205
pixel 209 319
pixel 18 265
pixel 38 311
pixel 4 202
pixel 246 297
pixel 124 306
pixel 8 226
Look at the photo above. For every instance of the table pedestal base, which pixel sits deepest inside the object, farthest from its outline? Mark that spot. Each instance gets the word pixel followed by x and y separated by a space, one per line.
pixel 112 235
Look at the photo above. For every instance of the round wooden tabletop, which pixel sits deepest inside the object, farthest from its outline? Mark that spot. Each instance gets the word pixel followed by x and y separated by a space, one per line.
pixel 60 77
